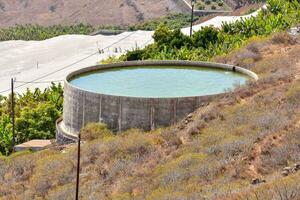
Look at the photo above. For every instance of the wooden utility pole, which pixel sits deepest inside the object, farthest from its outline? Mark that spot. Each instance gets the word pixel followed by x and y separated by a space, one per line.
pixel 13 112
pixel 192 17
pixel 78 167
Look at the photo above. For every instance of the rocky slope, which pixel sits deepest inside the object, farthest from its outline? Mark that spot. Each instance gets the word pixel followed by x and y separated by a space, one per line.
pixel 95 12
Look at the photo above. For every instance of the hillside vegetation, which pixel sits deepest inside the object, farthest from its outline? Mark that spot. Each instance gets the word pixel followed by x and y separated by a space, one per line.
pixel 233 148
pixel 213 154
pixel 35 113
pixel 38 32
pixel 209 42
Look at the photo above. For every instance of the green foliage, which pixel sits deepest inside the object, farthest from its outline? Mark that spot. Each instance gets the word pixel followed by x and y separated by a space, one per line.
pixel 37 123
pixel 174 39
pixel 173 20
pixel 136 54
pixel 206 37
pixel 209 42
pixel 35 112
pixel 37 32
pixel 5 135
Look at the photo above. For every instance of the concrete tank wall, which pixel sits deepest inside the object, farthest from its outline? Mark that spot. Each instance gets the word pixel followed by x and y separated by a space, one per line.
pixel 121 113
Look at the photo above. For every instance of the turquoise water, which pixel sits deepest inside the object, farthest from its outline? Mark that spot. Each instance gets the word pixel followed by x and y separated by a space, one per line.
pixel 159 81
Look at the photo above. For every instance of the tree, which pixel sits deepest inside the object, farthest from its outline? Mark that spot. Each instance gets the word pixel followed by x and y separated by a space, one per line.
pixel 205 37
pixel 35 111
pixel 5 135
pixel 37 123
pixel 162 34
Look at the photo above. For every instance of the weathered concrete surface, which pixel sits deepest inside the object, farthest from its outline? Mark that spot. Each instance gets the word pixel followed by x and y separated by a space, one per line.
pixel 33 145
pixel 121 113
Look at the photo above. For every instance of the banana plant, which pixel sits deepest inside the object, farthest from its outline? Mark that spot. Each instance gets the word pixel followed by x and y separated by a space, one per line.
pixel 5 135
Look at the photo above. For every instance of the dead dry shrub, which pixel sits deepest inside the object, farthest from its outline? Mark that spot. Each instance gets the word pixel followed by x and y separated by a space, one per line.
pixel 94 131
pixel 248 56
pixel 22 166
pixel 3 168
pixel 132 143
pixel 174 176
pixel 213 168
pixel 283 38
pixel 292 144
pixel 50 172
pixel 235 148
pixel 273 158
pixel 279 189
pixel 120 167
pixel 66 192
pixel 170 138
pixel 293 94
pixel 90 152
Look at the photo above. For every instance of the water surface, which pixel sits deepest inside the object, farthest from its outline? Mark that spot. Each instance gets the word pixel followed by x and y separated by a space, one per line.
pixel 163 82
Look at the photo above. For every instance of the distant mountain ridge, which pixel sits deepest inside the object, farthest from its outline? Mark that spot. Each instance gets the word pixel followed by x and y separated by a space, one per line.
pixel 95 12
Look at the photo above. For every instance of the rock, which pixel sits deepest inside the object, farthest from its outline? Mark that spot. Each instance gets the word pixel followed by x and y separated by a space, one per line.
pixel 294 31
pixel 189 116
pixel 287 169
pixel 256 181
pixel 297 166
pixel 284 173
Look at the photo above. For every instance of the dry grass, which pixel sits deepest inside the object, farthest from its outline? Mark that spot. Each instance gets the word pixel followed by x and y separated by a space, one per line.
pixel 253 131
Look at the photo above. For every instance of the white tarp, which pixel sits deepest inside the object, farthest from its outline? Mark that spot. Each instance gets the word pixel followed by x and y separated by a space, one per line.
pixel 52 59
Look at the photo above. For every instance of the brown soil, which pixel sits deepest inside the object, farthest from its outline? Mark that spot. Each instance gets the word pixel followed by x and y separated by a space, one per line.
pixel 95 12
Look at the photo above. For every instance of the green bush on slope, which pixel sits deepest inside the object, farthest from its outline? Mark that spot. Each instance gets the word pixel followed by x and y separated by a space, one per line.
pixel 209 42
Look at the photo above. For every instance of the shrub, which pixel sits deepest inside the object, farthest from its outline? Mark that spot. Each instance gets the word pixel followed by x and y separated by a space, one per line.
pixel 172 20
pixel 207 2
pixel 134 55
pixel 56 167
pixel 199 6
pixel 6 135
pixel 131 143
pixel 283 38
pixel 94 131
pixel 35 113
pixel 66 192
pixel 38 123
pixel 206 37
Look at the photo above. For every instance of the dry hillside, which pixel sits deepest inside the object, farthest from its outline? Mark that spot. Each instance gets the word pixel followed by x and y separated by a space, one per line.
pixel 95 12
pixel 233 148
